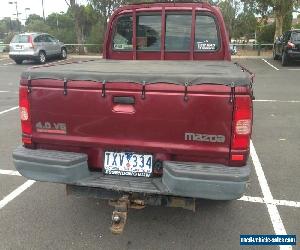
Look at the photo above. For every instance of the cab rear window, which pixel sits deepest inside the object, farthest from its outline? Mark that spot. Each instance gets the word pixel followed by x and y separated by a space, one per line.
pixel 206 34
pixel 178 32
pixel 122 39
pixel 20 39
pixel 148 32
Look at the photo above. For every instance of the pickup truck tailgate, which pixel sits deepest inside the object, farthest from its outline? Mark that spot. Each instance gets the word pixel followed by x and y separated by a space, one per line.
pixel 101 106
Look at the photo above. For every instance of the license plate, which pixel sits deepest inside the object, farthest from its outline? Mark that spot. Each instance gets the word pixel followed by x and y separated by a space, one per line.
pixel 128 164
pixel 18 47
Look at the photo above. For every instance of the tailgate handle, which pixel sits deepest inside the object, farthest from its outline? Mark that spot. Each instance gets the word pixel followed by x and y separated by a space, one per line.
pixel 124 99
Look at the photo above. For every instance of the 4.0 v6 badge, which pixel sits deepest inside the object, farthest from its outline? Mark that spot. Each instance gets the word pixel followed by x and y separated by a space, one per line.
pixel 51 127
pixel 204 137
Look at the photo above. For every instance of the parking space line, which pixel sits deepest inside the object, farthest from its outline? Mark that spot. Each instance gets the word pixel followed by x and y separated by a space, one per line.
pixel 291 101
pixel 269 64
pixel 275 202
pixel 294 69
pixel 6 64
pixel 7 110
pixel 276 220
pixel 4 91
pixel 9 172
pixel 287 203
pixel 15 193
pixel 252 199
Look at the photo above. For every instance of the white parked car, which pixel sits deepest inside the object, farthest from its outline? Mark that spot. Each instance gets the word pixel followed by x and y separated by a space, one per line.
pixel 36 46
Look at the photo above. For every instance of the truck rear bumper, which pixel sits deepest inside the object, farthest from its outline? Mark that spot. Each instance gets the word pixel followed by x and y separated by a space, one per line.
pixel 196 180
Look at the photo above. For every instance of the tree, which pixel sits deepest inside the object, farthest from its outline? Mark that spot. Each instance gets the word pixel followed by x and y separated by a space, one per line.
pixel 32 18
pixel 230 9
pixel 10 25
pixel 265 33
pixel 105 8
pixel 245 25
pixel 279 8
pixel 76 11
pixel 37 26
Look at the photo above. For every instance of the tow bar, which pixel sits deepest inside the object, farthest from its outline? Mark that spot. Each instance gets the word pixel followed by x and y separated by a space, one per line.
pixel 119 215
pixel 123 201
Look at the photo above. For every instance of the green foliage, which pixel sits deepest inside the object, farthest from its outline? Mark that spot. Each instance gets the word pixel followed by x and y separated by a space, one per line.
pixel 287 22
pixel 38 26
pixel 33 18
pixel 62 27
pixel 266 33
pixel 96 37
pixel 8 38
pixel 229 10
pixel 8 25
pixel 245 25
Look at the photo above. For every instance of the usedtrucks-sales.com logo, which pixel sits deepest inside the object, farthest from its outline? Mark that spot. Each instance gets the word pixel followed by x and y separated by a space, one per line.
pixel 204 137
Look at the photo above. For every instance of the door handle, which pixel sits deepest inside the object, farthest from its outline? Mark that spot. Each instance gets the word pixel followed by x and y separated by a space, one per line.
pixel 123 100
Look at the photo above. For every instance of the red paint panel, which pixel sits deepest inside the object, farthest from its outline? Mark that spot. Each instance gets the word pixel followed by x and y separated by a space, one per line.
pixel 156 124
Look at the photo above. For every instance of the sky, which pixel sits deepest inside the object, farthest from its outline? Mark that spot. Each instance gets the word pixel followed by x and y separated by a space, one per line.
pixel 50 6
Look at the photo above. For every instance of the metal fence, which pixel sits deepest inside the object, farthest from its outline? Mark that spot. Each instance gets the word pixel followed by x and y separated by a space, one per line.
pixel 249 49
pixel 252 49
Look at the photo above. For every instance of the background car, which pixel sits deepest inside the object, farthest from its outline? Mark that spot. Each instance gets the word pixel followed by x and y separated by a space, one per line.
pixel 233 49
pixel 36 46
pixel 287 47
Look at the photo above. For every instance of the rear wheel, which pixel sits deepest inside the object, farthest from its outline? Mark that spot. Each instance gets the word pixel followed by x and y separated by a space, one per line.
pixel 63 54
pixel 284 59
pixel 18 61
pixel 42 57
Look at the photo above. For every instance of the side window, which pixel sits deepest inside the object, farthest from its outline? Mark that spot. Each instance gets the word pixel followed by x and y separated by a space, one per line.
pixel 37 39
pixel 52 39
pixel 178 32
pixel 122 39
pixel 148 32
pixel 48 39
pixel 206 34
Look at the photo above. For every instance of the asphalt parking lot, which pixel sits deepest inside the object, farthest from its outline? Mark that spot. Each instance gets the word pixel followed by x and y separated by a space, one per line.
pixel 40 216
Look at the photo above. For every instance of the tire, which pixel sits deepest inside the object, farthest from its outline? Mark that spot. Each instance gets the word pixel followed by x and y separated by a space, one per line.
pixel 275 56
pixel 63 54
pixel 18 61
pixel 42 57
pixel 284 59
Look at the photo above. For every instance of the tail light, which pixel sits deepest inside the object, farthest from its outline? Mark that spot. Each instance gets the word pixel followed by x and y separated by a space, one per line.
pixel 242 127
pixel 290 45
pixel 30 40
pixel 24 108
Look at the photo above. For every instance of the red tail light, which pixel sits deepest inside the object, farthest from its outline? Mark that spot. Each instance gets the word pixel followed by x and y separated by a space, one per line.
pixel 290 45
pixel 30 40
pixel 242 123
pixel 24 108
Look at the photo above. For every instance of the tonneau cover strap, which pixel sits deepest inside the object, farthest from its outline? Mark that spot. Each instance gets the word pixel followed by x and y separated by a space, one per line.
pixel 186 91
pixel 29 84
pixel 65 86
pixel 232 92
pixel 143 89
pixel 103 88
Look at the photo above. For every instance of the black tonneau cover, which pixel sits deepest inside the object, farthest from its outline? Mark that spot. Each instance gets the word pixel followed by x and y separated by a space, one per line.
pixel 145 72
